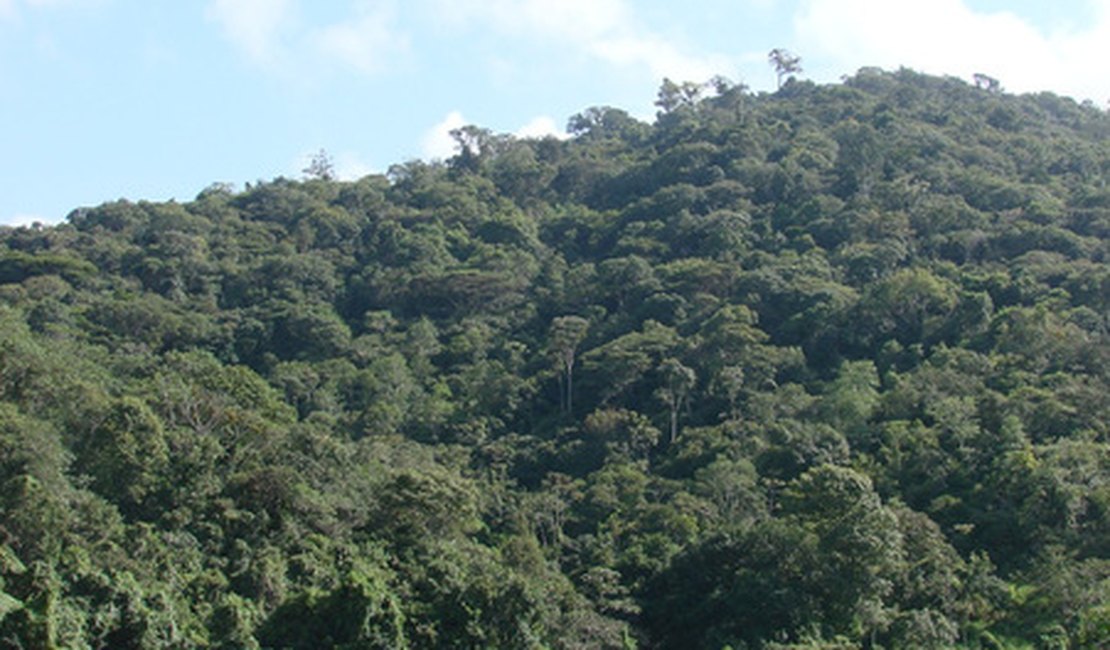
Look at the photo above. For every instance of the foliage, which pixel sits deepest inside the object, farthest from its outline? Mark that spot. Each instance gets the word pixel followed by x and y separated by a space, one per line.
pixel 821 368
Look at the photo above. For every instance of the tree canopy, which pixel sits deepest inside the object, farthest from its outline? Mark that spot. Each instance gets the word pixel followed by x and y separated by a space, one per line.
pixel 827 367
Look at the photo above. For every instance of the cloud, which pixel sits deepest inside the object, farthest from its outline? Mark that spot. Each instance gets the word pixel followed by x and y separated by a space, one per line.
pixel 274 34
pixel 541 127
pixel 661 57
pixel 948 37
pixel 350 167
pixel 437 143
pixel 605 30
pixel 254 26
pixel 365 42
pixel 564 18
pixel 17 220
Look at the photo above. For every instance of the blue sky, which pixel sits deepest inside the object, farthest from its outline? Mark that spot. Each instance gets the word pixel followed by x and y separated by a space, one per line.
pixel 157 99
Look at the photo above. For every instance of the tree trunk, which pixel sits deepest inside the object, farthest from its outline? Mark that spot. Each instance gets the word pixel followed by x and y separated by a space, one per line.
pixel 570 388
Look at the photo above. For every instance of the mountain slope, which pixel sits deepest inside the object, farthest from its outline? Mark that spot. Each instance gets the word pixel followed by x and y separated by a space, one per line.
pixel 824 364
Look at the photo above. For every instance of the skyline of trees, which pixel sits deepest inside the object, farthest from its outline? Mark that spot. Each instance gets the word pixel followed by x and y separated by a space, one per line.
pixel 825 367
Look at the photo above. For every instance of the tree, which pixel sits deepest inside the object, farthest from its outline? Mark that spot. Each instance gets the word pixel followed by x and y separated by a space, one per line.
pixel 893 291
pixel 599 122
pixel 678 381
pixel 732 487
pixel 987 83
pixel 320 167
pixel 619 365
pixel 625 434
pixel 565 335
pixel 671 95
pixel 361 612
pixel 476 146
pixel 858 544
pixel 784 62
pixel 851 397
pixel 126 456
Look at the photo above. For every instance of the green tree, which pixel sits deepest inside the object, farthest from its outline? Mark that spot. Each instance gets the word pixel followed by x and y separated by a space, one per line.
pixel 565 335
pixel 859 545
pixel 320 167
pixel 127 458
pixel 677 382
pixel 784 62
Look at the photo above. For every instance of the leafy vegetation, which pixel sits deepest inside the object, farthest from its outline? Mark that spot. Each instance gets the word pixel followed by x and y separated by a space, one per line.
pixel 822 368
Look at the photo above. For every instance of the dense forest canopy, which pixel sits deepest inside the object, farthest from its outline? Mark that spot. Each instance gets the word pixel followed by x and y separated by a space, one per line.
pixel 820 368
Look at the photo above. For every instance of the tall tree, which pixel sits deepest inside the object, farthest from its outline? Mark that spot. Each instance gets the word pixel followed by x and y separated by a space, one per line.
pixel 785 63
pixel 678 381
pixel 320 167
pixel 563 339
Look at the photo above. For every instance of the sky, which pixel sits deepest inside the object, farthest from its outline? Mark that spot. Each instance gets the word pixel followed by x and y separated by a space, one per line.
pixel 159 99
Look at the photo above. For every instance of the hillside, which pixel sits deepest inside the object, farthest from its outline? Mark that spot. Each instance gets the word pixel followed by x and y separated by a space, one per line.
pixel 828 367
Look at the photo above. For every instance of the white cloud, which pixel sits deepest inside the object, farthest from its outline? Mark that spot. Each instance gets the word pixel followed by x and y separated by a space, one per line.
pixel 605 30
pixel 350 167
pixel 567 18
pixel 254 26
pixel 541 127
pixel 364 42
pixel 275 35
pixel 948 37
pixel 17 220
pixel 661 57
pixel 437 143
pixel 580 19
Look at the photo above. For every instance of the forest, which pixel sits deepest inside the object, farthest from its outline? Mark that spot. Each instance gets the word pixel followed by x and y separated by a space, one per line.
pixel 820 368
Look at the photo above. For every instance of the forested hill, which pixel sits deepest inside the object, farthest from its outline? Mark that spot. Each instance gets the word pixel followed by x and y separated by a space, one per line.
pixel 822 368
